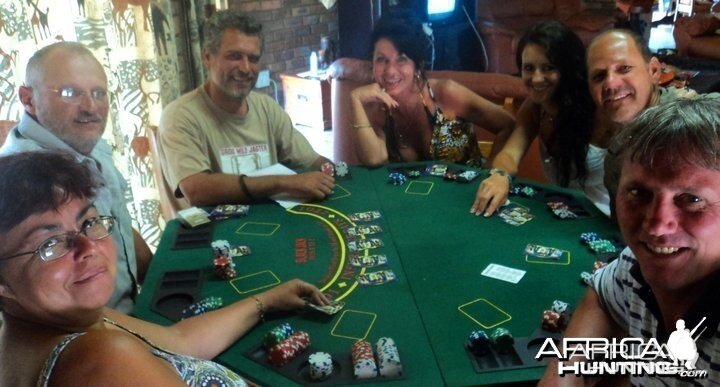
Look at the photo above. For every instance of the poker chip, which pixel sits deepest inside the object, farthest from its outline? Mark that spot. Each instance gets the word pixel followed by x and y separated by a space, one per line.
pixel 586 278
pixel 321 365
pixel 598 265
pixel 327 168
pixel 363 359
pixel 220 248
pixel 552 321
pixel 203 306
pixel 389 365
pixel 286 350
pixel 560 306
pixel 515 189
pixel 502 340
pixel 602 246
pixel 588 237
pixel 341 169
pixel 277 334
pixel 224 268
pixel 414 173
pixel 397 178
pixel 528 191
pixel 479 343
pixel 225 211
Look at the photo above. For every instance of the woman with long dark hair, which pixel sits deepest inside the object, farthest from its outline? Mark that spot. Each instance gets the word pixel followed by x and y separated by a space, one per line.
pixel 404 116
pixel 560 111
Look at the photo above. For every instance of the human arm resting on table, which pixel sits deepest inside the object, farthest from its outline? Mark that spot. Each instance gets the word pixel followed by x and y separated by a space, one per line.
pixel 207 335
pixel 493 191
pixel 369 146
pixel 204 189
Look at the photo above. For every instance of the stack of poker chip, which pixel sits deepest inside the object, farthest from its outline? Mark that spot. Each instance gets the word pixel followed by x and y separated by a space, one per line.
pixel 203 306
pixel 321 365
pixel 328 168
pixel 479 343
pixel 397 178
pixel 220 248
pixel 341 169
pixel 388 358
pixel 556 318
pixel 277 334
pixel 224 267
pixel 586 278
pixel 363 360
pixel 596 243
pixel 286 350
pixel 502 340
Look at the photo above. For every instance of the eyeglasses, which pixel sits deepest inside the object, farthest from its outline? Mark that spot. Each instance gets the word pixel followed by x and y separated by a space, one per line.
pixel 57 246
pixel 74 96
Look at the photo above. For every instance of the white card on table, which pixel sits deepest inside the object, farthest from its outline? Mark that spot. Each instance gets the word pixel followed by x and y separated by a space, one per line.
pixel 503 273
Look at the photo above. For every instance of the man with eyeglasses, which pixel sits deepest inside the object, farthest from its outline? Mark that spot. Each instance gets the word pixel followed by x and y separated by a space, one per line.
pixel 214 135
pixel 66 108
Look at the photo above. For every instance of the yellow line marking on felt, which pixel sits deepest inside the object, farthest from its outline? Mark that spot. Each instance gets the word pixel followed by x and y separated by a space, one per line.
pixel 232 282
pixel 548 261
pixel 420 182
pixel 343 247
pixel 374 317
pixel 240 232
pixel 347 193
pixel 489 303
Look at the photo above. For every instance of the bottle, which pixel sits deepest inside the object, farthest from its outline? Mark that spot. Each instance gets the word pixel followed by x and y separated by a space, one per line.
pixel 313 63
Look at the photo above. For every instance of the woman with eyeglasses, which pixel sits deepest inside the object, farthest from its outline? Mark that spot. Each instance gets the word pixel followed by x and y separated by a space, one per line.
pixel 57 272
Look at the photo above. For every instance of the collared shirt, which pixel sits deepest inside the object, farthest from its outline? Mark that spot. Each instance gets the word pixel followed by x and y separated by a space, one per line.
pixel 628 298
pixel 29 135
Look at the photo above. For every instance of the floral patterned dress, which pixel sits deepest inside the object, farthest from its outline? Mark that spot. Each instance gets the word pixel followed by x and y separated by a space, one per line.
pixel 194 371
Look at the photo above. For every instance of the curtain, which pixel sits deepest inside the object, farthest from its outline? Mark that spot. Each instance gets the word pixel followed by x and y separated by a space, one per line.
pixel 135 41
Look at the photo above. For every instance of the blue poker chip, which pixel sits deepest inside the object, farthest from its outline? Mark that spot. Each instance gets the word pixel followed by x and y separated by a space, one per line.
pixel 397 178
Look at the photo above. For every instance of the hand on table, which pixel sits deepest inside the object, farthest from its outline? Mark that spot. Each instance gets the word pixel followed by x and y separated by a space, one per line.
pixel 313 184
pixel 374 93
pixel 491 195
pixel 292 295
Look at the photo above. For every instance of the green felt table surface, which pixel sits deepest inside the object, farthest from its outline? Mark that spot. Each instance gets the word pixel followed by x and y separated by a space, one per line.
pixel 437 250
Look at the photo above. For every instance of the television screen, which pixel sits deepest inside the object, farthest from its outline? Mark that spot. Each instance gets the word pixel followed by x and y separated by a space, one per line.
pixel 441 11
pixel 439 7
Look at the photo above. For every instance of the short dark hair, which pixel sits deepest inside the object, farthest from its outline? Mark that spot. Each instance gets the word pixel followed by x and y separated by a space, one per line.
pixel 406 33
pixel 684 130
pixel 220 21
pixel 36 182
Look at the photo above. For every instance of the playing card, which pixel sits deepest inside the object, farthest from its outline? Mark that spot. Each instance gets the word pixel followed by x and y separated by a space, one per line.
pixel 368 261
pixel 329 309
pixel 366 216
pixel 543 251
pixel 363 244
pixel 376 278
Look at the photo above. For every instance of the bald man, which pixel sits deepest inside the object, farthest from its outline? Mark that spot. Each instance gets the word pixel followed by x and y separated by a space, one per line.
pixel 624 81
pixel 66 108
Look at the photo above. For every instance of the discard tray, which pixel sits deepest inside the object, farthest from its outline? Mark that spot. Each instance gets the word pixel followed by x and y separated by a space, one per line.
pixel 176 291
pixel 522 355
pixel 193 238
pixel 298 369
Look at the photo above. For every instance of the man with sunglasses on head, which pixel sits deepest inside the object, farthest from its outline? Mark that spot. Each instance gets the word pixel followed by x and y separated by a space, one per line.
pixel 66 108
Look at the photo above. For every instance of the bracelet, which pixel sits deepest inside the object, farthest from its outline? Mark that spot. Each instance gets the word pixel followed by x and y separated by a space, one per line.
pixel 356 126
pixel 244 188
pixel 260 308
pixel 501 172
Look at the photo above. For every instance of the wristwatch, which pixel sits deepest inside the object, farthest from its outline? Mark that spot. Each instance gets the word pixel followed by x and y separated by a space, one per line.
pixel 501 172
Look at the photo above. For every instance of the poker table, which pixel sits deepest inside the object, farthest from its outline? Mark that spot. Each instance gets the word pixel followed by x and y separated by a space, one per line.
pixel 437 251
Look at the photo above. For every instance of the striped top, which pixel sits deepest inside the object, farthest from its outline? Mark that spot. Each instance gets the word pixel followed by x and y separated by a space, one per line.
pixel 626 296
